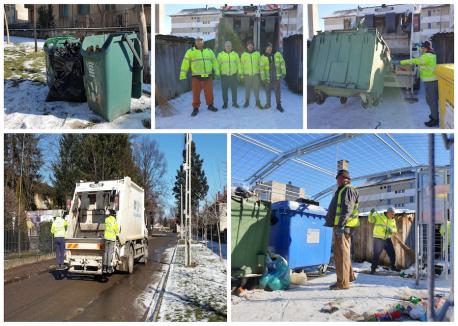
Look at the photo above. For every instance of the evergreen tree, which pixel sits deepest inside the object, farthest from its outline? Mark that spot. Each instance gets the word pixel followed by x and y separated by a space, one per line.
pixel 199 183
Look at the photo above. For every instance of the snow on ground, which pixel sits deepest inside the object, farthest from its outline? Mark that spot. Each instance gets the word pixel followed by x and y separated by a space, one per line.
pixel 25 94
pixel 393 112
pixel 27 41
pixel 178 113
pixel 195 293
pixel 303 303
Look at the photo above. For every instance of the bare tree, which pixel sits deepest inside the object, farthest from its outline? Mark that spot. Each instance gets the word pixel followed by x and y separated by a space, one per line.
pixel 144 40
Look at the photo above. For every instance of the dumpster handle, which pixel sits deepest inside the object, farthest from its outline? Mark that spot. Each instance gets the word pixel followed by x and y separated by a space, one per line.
pixel 131 46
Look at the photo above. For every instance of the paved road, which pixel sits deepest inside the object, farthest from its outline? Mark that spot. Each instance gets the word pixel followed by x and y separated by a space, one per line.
pixel 123 297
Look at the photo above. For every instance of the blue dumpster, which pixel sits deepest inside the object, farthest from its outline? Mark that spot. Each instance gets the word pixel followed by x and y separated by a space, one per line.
pixel 298 234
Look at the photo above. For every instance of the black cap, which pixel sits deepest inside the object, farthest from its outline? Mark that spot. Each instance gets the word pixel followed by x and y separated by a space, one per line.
pixel 427 45
pixel 344 173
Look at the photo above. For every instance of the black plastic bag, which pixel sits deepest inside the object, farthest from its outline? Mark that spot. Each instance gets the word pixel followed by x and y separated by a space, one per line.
pixel 68 70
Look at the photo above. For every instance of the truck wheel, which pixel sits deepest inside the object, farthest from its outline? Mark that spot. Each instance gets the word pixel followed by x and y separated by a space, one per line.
pixel 130 261
pixel 343 100
pixel 365 103
pixel 320 98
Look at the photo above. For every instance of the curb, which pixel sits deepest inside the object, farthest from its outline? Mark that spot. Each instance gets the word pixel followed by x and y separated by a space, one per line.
pixel 153 311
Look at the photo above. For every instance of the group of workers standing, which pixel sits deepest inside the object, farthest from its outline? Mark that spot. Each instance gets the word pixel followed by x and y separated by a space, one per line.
pixel 251 68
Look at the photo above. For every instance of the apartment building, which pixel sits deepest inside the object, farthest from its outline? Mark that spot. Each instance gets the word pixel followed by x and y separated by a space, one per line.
pixel 84 15
pixel 16 14
pixel 196 22
pixel 397 191
pixel 436 19
pixel 275 191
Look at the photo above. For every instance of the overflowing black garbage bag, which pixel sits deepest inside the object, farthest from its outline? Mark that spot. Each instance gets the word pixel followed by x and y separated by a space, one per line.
pixel 65 73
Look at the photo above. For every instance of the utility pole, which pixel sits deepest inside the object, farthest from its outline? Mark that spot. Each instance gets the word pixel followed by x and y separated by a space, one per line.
pixel 19 201
pixel 181 212
pixel 188 204
pixel 6 26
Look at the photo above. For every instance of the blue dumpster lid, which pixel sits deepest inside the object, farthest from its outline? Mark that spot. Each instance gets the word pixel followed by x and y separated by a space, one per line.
pixel 300 207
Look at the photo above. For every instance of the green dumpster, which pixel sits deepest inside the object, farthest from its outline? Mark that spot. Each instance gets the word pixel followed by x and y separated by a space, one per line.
pixel 346 63
pixel 113 68
pixel 250 218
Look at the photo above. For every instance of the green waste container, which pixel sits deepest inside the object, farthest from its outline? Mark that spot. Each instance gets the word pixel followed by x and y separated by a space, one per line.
pixel 250 236
pixel 346 63
pixel 113 75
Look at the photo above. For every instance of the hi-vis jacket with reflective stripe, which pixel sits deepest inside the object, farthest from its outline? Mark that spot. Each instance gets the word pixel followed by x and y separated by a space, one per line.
pixel 352 219
pixel 58 227
pixel 280 67
pixel 111 228
pixel 384 227
pixel 202 63
pixel 427 66
pixel 229 63
pixel 250 63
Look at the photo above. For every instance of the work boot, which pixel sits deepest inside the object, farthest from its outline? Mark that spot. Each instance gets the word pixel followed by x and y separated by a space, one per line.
pixel 279 108
pixel 212 108
pixel 395 269
pixel 104 269
pixel 225 106
pixel 247 104
pixel 335 286
pixel 194 112
pixel 110 270
pixel 236 106
pixel 432 123
pixel 267 106
pixel 373 271
pixel 352 278
pixel 258 105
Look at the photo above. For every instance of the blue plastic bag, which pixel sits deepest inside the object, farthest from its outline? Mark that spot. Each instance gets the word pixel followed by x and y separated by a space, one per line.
pixel 277 276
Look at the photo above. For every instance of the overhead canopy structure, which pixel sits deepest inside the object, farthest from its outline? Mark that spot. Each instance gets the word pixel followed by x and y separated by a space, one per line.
pixel 310 160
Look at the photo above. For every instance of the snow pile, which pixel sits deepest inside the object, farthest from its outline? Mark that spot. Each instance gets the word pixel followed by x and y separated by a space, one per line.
pixel 366 295
pixel 393 112
pixel 178 113
pixel 195 293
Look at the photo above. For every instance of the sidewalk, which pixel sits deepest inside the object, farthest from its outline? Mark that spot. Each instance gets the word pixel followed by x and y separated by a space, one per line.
pixel 27 271
pixel 195 293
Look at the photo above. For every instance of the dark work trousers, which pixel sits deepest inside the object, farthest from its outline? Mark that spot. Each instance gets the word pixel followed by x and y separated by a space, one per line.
pixel 378 247
pixel 229 82
pixel 251 82
pixel 108 254
pixel 432 95
pixel 275 86
pixel 60 250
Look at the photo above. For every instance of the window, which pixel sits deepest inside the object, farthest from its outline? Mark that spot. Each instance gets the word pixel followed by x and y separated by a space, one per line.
pixel 83 10
pixel 429 13
pixel 429 25
pixel 412 199
pixel 63 10
pixel 389 189
pixel 388 201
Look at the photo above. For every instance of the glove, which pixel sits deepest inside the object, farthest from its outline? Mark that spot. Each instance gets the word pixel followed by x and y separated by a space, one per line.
pixel 372 210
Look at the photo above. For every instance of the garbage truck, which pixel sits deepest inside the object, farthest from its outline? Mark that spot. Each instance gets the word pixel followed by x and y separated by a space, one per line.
pixel 84 240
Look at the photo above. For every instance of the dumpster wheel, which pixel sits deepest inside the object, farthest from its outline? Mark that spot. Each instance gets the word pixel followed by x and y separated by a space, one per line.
pixel 320 98
pixel 343 99
pixel 323 268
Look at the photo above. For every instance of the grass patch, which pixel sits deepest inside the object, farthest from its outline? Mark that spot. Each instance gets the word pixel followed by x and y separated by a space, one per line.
pixel 20 63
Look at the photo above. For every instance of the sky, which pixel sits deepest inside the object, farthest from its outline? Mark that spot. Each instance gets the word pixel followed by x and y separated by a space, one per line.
pixel 211 147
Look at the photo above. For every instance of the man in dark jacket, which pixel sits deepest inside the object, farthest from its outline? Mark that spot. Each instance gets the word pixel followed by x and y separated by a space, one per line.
pixel 342 216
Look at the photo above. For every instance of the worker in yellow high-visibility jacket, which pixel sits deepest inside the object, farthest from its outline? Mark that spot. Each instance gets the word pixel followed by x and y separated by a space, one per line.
pixel 427 66
pixel 58 230
pixel 204 67
pixel 111 233
pixel 273 69
pixel 230 68
pixel 250 62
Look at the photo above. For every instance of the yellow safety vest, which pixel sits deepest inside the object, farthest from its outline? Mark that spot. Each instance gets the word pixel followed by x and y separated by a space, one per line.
pixel 426 64
pixel 353 221
pixel 280 67
pixel 229 63
pixel 442 231
pixel 58 227
pixel 250 63
pixel 384 227
pixel 202 63
pixel 111 228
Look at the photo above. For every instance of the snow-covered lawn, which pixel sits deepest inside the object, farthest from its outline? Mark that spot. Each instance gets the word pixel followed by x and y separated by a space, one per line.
pixel 393 112
pixel 303 303
pixel 178 112
pixel 195 293
pixel 26 90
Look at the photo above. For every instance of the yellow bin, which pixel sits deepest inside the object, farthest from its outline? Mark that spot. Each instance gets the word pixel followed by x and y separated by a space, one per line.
pixel 445 79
